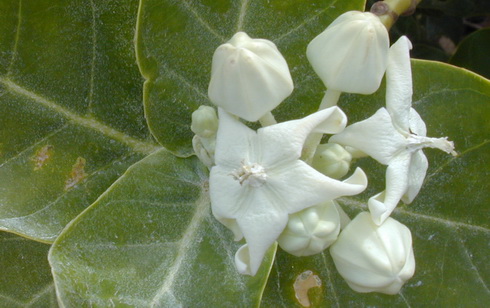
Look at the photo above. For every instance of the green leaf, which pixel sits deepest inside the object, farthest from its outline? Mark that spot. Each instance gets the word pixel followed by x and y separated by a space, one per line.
pixel 472 53
pixel 175 42
pixel 151 240
pixel 26 279
pixel 448 219
pixel 70 108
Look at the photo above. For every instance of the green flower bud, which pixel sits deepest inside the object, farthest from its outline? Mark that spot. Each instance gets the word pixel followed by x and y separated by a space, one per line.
pixel 204 122
pixel 332 160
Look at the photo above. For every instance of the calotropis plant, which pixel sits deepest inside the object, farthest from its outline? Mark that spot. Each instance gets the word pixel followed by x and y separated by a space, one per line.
pixel 258 178
pixel 72 122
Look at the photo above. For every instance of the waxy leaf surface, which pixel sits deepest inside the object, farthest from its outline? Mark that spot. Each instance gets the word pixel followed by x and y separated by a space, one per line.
pixel 151 241
pixel 70 109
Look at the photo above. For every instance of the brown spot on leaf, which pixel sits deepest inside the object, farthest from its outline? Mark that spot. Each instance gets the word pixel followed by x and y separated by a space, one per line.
pixel 77 174
pixel 42 156
pixel 303 283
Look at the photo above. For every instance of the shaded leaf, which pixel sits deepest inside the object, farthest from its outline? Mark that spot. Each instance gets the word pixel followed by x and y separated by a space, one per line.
pixel 448 219
pixel 472 53
pixel 70 109
pixel 176 40
pixel 26 279
pixel 151 240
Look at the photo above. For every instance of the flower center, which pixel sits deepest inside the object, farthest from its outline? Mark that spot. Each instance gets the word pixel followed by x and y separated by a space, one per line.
pixel 251 174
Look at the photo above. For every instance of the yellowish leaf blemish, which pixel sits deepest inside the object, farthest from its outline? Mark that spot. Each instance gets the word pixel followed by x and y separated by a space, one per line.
pixel 303 283
pixel 42 156
pixel 77 174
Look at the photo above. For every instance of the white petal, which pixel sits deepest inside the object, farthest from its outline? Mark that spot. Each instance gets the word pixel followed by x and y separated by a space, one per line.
pixel 233 141
pixel 417 125
pixel 416 175
pixel 227 195
pixel 375 136
pixel 399 83
pixel 284 141
pixel 382 204
pixel 232 225
pixel 261 224
pixel 299 186
pixel 242 260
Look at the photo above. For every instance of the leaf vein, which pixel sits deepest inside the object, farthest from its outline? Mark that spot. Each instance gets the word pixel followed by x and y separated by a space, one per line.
pixel 185 244
pixel 304 23
pixel 16 40
pixel 472 265
pixel 201 20
pixel 242 14
pixel 449 223
pixel 20 153
pixel 139 146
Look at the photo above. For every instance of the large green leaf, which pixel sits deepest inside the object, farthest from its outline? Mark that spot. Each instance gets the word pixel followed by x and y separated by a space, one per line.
pixel 448 219
pixel 176 39
pixel 151 240
pixel 70 109
pixel 472 53
pixel 26 279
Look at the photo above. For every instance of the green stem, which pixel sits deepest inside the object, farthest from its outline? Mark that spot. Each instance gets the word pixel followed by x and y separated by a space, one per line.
pixel 330 99
pixel 388 11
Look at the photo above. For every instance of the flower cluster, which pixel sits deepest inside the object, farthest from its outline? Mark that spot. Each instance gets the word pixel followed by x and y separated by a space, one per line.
pixel 263 186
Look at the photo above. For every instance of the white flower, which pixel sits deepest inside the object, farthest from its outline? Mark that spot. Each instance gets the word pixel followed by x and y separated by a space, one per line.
pixel 395 136
pixel 351 54
pixel 311 230
pixel 374 258
pixel 249 77
pixel 259 179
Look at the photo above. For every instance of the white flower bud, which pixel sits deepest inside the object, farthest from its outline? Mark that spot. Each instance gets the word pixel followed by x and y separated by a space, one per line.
pixel 374 258
pixel 351 54
pixel 311 230
pixel 249 77
pixel 332 160
pixel 204 149
pixel 204 122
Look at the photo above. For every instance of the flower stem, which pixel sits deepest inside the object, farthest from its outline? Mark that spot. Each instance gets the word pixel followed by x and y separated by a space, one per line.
pixel 388 11
pixel 330 99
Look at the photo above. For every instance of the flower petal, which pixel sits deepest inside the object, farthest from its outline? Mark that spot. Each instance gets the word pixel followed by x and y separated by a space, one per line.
pixel 416 175
pixel 382 204
pixel 375 136
pixel 284 141
pixel 261 224
pixel 417 125
pixel 297 185
pixel 233 142
pixel 226 193
pixel 399 83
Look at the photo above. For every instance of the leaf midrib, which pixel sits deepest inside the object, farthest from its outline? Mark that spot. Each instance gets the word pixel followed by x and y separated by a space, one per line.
pixel 138 146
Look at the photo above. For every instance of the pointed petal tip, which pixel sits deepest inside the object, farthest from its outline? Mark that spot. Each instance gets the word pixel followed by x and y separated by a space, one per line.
pixel 243 262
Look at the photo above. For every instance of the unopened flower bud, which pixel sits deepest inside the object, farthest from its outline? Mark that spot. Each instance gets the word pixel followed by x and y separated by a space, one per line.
pixel 204 149
pixel 311 230
pixel 374 258
pixel 204 122
pixel 332 159
pixel 249 77
pixel 351 54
